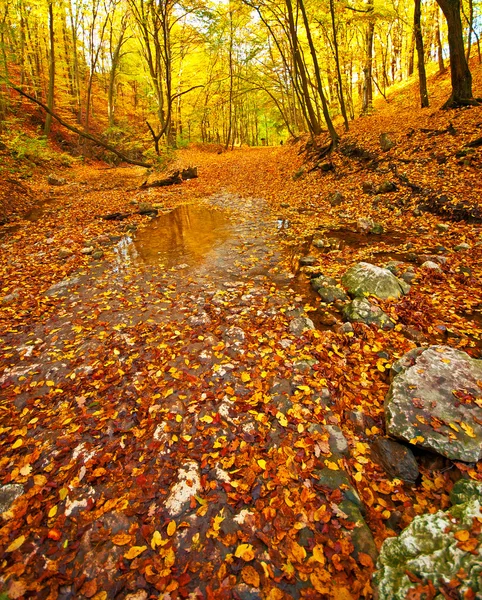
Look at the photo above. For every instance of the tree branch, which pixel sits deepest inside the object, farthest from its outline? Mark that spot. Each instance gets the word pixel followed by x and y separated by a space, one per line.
pixel 83 134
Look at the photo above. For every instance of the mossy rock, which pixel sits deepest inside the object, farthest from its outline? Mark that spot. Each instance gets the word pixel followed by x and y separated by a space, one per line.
pixel 428 550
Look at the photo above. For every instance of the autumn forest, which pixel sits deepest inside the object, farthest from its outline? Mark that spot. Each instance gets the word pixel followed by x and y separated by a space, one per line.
pixel 240 299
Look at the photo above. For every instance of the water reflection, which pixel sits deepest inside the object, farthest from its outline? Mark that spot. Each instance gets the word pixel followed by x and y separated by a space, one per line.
pixel 182 237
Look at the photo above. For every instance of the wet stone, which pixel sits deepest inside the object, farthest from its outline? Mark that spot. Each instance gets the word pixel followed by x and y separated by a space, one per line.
pixel 397 460
pixel 307 260
pixel 432 266
pixel 8 494
pixel 365 278
pixel 336 198
pixel 386 187
pixel 300 324
pixel 437 385
pixel 361 310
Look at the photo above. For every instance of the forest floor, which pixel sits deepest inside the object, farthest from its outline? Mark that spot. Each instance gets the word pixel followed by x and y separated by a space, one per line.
pixel 168 429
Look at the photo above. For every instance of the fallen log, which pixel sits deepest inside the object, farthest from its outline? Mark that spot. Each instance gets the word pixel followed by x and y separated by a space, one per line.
pixel 173 179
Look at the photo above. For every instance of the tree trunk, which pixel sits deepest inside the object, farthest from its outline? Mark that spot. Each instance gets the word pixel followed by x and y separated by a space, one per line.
pixel 461 77
pixel 367 100
pixel 326 113
pixel 440 56
pixel 300 70
pixel 51 90
pixel 411 56
pixel 422 77
pixel 338 69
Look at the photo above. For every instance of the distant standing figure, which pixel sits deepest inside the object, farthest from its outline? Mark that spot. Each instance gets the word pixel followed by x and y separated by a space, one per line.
pixel 281 142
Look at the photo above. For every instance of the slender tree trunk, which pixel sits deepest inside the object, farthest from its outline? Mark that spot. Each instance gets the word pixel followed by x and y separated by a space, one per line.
pixel 367 100
pixel 301 72
pixel 231 80
pixel 461 77
pixel 471 28
pixel 115 58
pixel 338 69
pixel 411 56
pixel 422 77
pixel 326 113
pixel 440 56
pixel 51 89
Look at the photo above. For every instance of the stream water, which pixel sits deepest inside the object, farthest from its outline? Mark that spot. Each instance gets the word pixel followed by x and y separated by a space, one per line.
pixel 184 236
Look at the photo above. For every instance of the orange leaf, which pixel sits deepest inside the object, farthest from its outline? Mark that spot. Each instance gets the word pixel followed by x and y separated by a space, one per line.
pixel 121 539
pixel 250 576
pixel 171 528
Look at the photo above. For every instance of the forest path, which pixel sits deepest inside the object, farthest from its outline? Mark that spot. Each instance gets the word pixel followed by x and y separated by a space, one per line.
pixel 165 428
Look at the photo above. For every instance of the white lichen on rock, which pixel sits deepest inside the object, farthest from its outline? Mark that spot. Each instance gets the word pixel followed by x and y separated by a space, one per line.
pixel 429 550
pixel 188 484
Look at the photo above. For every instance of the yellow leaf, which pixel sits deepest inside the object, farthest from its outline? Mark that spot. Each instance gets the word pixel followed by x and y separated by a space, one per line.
pixel 332 465
pixel 245 377
pixel 15 545
pixel 358 477
pixel 178 418
pixel 170 558
pixel 25 470
pixel 318 554
pixel 156 540
pixel 418 439
pixel 134 552
pixel 245 551
pixel 262 463
pixel 300 428
pixel 468 429
pixel 218 519
pixel 171 528
pixel 52 512
pixel 17 443
pixel 206 419
pixel 50 383
pixel 283 421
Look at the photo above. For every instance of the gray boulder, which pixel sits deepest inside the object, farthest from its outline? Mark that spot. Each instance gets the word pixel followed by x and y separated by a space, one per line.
pixel 434 402
pixel 326 288
pixel 54 180
pixel 367 279
pixel 146 208
pixel 386 187
pixel 300 324
pixel 364 225
pixel 386 143
pixel 361 311
pixel 336 198
pixel 429 550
